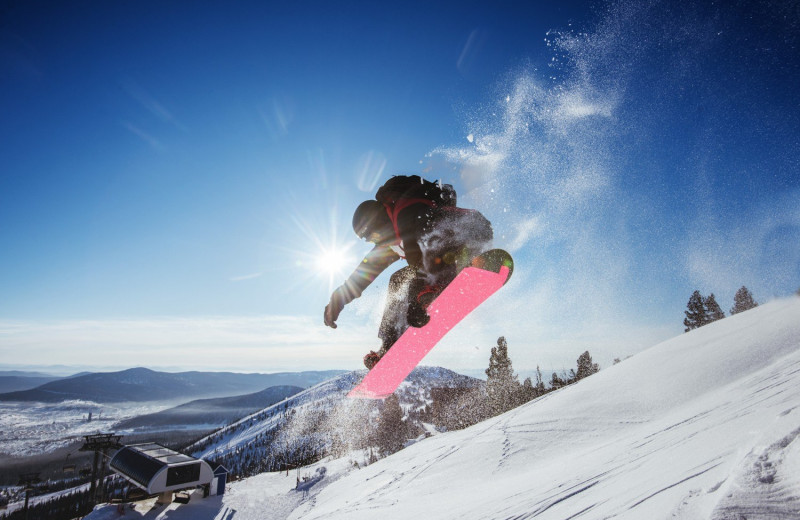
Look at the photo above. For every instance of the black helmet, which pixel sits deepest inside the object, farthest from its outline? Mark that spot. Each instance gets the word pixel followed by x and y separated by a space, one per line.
pixel 369 218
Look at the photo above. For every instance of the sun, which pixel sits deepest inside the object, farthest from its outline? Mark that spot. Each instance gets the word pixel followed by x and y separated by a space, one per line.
pixel 333 261
pixel 321 249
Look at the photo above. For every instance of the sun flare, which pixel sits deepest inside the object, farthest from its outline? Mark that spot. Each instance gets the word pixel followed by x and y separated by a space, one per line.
pixel 333 261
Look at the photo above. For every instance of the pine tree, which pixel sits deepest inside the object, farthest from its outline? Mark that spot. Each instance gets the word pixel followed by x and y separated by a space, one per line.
pixel 713 311
pixel 502 386
pixel 528 390
pixel 556 382
pixel 585 366
pixel 696 315
pixel 391 429
pixel 540 390
pixel 743 301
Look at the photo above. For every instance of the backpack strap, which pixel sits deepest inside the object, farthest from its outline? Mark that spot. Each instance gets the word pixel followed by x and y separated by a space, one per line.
pixel 394 211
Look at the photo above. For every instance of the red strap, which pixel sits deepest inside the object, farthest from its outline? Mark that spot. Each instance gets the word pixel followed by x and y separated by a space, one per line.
pixel 399 205
pixel 435 288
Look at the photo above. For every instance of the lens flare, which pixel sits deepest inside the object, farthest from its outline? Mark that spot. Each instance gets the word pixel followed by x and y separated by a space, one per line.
pixel 334 261
pixel 322 257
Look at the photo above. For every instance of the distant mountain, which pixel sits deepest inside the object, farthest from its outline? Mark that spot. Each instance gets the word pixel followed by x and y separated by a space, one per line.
pixel 78 374
pixel 26 373
pixel 39 370
pixel 13 382
pixel 142 385
pixel 212 412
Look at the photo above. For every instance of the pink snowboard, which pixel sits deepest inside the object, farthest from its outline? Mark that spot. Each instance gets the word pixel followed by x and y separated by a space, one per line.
pixel 469 289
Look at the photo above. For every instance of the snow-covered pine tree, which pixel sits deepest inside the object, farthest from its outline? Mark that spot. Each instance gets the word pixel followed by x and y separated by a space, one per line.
pixel 585 366
pixel 539 386
pixel 713 311
pixel 557 382
pixel 502 386
pixel 696 314
pixel 391 429
pixel 743 301
pixel 528 390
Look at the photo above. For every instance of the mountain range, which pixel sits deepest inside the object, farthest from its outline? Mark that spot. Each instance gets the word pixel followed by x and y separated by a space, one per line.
pixel 212 412
pixel 145 385
pixel 15 381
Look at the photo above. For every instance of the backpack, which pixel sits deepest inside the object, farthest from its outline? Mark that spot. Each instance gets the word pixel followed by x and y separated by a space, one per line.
pixel 402 188
pixel 402 191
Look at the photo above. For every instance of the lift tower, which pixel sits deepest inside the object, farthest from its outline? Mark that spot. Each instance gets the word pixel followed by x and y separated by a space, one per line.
pixel 100 444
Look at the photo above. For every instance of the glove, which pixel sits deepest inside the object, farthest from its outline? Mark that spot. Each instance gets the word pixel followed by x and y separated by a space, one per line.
pixel 333 309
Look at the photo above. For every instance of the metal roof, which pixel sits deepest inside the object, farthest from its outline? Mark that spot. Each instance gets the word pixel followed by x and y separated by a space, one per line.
pixel 141 462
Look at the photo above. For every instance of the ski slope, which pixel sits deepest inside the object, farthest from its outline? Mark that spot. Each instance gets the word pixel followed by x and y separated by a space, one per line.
pixel 703 426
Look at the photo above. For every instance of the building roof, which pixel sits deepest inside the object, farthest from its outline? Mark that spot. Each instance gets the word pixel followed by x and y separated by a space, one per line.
pixel 141 462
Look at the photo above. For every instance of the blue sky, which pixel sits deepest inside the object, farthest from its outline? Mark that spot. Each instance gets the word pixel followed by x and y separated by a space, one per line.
pixel 173 172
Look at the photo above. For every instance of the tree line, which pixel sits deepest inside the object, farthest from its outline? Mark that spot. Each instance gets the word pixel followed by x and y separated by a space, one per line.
pixel 459 408
pixel 702 310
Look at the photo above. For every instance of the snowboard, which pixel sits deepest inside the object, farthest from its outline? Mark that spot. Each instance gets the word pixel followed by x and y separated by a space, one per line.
pixel 486 274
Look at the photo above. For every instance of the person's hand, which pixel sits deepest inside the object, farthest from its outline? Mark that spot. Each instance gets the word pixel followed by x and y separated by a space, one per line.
pixel 333 309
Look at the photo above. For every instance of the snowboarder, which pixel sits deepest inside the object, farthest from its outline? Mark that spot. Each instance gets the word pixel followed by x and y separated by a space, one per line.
pixel 417 220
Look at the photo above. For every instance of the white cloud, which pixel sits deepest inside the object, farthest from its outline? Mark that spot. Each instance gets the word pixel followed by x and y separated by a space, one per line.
pixel 264 343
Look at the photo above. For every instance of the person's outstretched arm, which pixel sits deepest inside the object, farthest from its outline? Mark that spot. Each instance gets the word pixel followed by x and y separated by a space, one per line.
pixel 367 271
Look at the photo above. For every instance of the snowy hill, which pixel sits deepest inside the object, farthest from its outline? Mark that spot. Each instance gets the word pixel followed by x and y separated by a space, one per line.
pixel 703 426
pixel 326 398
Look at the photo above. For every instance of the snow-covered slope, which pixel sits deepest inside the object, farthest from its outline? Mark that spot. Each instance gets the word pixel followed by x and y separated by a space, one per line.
pixel 703 426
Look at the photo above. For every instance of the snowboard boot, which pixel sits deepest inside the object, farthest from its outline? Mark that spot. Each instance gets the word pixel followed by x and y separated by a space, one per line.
pixel 417 314
pixel 371 359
